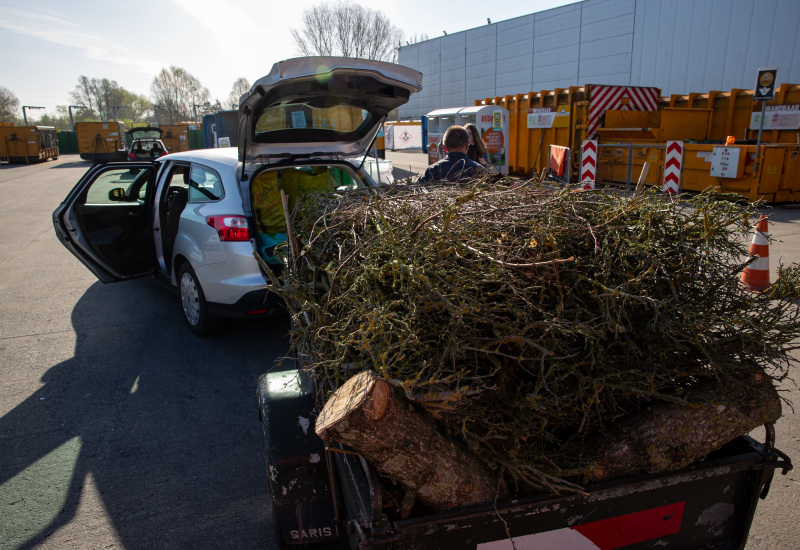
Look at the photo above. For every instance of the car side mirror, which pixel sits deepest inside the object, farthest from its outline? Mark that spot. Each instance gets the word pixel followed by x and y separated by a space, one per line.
pixel 117 195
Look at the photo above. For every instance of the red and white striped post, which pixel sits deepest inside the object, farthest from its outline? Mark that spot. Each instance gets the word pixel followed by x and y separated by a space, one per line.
pixel 672 167
pixel 588 164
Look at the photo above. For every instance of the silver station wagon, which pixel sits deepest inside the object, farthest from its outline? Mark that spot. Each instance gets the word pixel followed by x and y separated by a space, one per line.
pixel 194 219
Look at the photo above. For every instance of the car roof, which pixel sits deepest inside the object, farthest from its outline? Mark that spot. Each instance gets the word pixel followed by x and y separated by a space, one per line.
pixel 222 159
pixel 221 155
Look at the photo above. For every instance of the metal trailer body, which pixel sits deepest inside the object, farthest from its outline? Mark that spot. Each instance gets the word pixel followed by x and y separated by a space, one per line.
pixel 319 495
pixel 28 144
pixel 101 141
pixel 175 137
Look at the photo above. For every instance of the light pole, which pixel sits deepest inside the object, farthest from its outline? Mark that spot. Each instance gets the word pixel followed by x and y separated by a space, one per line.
pixel 194 108
pixel 115 107
pixel 155 112
pixel 24 115
pixel 71 121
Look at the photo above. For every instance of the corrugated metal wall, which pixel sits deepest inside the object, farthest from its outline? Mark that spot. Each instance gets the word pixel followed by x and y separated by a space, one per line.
pixel 680 46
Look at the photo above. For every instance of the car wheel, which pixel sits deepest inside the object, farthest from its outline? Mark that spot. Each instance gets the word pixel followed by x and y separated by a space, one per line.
pixel 193 302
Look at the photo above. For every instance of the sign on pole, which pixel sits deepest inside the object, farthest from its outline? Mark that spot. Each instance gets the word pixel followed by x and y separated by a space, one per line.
pixel 765 91
pixel 765 84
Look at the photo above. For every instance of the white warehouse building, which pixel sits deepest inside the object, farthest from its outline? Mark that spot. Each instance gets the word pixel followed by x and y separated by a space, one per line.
pixel 680 46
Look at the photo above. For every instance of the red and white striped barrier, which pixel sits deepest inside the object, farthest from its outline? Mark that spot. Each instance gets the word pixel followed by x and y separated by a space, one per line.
pixel 619 98
pixel 606 534
pixel 588 164
pixel 672 167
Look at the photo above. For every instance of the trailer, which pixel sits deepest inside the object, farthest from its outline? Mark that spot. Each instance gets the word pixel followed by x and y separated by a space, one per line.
pixel 329 495
pixel 101 141
pixel 175 137
pixel 28 144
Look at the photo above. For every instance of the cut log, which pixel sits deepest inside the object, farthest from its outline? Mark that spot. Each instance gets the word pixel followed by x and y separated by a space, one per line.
pixel 391 434
pixel 670 436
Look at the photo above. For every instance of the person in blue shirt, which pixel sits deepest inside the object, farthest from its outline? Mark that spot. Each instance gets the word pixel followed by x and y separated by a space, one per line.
pixel 455 166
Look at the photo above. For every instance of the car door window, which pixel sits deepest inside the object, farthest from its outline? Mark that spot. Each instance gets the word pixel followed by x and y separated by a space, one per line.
pixel 205 185
pixel 119 185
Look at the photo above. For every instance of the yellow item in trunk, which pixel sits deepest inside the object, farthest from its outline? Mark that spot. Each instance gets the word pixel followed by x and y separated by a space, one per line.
pixel 267 187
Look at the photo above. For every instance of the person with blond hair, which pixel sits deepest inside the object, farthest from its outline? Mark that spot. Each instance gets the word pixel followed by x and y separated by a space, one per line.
pixel 477 151
pixel 455 166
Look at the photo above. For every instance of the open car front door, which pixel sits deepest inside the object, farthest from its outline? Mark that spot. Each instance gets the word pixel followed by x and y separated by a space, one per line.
pixel 106 220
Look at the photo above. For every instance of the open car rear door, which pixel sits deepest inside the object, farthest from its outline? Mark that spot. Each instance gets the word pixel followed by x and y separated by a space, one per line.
pixel 106 220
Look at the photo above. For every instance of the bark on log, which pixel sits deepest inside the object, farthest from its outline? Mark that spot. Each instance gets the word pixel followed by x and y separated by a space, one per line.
pixel 670 436
pixel 383 427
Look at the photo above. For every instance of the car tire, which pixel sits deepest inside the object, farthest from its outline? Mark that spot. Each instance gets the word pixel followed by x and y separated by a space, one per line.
pixel 194 305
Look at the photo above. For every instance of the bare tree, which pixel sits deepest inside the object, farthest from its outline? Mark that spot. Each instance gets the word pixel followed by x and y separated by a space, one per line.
pixel 241 86
pixel 347 29
pixel 176 92
pixel 100 95
pixel 9 105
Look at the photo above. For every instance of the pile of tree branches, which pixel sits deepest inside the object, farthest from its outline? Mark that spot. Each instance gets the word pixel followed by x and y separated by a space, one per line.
pixel 527 320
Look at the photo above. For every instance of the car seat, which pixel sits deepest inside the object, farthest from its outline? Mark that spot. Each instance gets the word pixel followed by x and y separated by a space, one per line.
pixel 176 202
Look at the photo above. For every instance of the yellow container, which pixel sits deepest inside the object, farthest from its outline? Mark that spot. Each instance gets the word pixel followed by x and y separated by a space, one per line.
pixel 175 137
pixel 27 144
pixel 540 119
pixel 706 118
pixel 101 141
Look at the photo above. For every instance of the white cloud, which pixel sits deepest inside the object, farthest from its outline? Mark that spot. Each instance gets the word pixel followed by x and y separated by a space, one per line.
pixel 63 32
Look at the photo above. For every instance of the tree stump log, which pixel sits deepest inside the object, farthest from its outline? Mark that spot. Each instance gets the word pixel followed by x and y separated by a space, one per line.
pixel 403 443
pixel 670 436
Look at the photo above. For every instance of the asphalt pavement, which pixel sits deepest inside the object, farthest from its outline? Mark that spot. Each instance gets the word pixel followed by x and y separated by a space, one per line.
pixel 118 427
pixel 121 429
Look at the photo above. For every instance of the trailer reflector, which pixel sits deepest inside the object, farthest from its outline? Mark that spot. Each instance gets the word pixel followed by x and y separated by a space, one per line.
pixel 606 534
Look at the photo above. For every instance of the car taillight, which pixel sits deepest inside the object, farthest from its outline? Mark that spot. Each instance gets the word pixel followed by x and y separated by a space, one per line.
pixel 230 228
pixel 131 155
pixel 163 154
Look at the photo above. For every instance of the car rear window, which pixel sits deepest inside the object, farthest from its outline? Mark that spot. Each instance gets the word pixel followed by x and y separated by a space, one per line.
pixel 205 185
pixel 144 133
pixel 145 145
pixel 338 118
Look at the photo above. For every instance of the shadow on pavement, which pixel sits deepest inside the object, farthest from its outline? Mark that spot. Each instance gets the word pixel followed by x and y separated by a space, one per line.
pixel 164 422
pixel 73 164
pixel 400 174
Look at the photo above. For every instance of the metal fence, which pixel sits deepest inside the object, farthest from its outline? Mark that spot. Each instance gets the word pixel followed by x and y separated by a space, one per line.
pixel 621 164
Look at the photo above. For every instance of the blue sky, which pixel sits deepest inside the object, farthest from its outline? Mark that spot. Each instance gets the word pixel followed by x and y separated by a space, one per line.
pixel 48 44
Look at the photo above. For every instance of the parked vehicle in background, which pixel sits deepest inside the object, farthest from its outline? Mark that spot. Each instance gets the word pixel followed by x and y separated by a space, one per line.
pixel 101 141
pixel 146 143
pixel 194 219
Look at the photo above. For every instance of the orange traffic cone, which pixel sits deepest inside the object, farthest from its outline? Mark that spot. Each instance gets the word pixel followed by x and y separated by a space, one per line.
pixel 756 275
